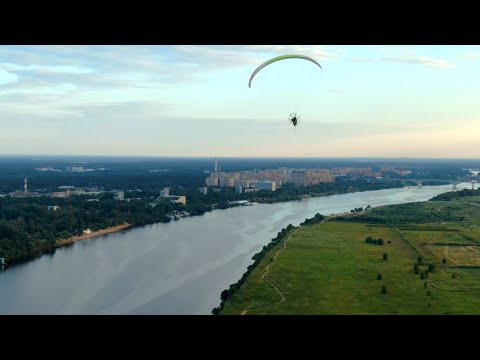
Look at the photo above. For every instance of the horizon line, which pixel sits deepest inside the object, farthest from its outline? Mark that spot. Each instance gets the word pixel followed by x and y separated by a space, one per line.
pixel 236 157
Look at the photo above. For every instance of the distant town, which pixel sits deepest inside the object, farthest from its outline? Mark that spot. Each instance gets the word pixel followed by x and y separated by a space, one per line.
pixel 241 181
pixel 272 179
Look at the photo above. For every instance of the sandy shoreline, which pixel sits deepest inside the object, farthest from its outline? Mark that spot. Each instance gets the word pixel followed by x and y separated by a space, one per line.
pixel 93 234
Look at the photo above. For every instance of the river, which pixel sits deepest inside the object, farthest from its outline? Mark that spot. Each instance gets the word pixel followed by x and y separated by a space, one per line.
pixel 179 267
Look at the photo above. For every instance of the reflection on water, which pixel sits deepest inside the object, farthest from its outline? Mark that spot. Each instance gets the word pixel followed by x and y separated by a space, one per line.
pixel 179 267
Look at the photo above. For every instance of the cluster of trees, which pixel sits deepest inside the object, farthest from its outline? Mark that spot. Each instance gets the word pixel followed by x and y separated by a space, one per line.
pixel 423 273
pixel 28 227
pixel 314 220
pixel 449 196
pixel 371 240
pixel 228 293
pixel 411 213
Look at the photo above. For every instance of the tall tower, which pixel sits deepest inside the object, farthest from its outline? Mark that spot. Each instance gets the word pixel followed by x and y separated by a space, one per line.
pixel 216 165
pixel 25 185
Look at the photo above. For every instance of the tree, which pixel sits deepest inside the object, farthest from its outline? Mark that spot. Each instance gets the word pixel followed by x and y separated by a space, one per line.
pixel 224 295
pixel 429 293
pixel 422 275
pixel 425 285
pixel 444 260
pixel 379 276
pixel 384 289
pixel 369 240
pixel 431 268
pixel 385 256
pixel 420 259
pixel 380 242
pixel 416 269
pixel 454 276
pixel 425 274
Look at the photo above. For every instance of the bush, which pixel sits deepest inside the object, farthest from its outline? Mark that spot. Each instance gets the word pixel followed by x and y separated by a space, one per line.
pixel 384 289
pixel 385 256
pixel 416 269
pixel 444 260
pixel 425 285
pixel 454 276
pixel 431 268
pixel 369 240
pixel 420 260
pixel 389 241
pixel 224 295
pixel 379 276
pixel 380 242
pixel 429 293
pixel 422 275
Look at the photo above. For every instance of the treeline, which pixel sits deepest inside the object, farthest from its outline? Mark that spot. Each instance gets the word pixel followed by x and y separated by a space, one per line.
pixel 449 196
pixel 411 213
pixel 227 294
pixel 28 227
pixel 314 220
pixel 290 192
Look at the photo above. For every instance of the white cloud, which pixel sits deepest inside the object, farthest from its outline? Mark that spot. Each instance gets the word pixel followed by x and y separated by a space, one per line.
pixel 419 60
pixel 63 69
pixel 471 56
pixel 315 51
pixel 7 77
pixel 59 89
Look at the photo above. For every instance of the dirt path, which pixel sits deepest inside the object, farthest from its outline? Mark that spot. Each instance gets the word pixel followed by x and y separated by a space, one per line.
pixel 264 274
pixel 267 269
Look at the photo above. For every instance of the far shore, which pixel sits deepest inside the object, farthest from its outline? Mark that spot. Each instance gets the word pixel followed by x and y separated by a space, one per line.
pixel 93 234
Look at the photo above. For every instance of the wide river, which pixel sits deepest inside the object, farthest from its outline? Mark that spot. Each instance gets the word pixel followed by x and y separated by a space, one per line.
pixel 179 267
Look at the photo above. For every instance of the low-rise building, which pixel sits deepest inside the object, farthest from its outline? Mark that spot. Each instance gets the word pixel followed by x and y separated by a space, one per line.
pixel 119 196
pixel 176 199
pixel 266 185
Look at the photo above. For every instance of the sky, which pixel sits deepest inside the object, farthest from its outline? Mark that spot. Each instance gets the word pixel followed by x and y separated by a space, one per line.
pixel 192 100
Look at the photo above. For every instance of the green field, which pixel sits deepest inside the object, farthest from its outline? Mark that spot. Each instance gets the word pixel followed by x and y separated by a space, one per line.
pixel 329 269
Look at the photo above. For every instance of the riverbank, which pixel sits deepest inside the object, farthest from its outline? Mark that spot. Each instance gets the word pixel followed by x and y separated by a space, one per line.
pixel 429 262
pixel 63 242
pixel 94 234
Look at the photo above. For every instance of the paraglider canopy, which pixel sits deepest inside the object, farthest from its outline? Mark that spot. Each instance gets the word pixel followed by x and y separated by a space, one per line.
pixel 278 58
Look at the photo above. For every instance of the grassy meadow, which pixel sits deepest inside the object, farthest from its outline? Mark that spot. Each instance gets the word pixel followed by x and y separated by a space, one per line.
pixel 328 268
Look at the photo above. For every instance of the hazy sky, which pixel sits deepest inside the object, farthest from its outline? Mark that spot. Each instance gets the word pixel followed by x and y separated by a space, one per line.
pixel 389 101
